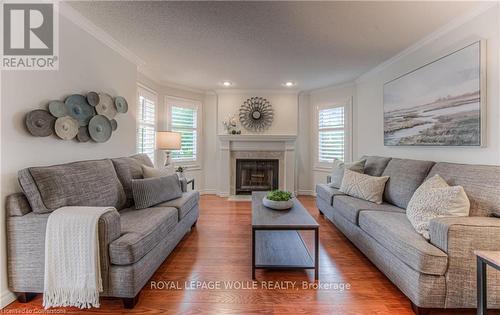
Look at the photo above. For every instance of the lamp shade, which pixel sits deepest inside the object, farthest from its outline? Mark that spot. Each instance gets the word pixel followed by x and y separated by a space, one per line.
pixel 168 140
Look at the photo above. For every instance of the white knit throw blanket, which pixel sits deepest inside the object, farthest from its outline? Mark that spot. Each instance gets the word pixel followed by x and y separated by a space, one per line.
pixel 72 267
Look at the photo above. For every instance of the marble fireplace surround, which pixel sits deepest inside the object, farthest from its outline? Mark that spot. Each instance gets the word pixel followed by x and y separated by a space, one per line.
pixel 232 147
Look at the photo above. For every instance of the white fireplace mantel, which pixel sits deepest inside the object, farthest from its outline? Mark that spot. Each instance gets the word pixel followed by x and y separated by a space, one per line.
pixel 229 144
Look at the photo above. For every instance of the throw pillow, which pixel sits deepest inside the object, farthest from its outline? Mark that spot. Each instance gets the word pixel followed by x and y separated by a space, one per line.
pixel 149 172
pixel 434 199
pixel 152 191
pixel 338 171
pixel 366 187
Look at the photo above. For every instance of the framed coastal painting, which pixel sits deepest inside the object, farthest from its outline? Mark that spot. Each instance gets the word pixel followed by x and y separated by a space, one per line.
pixel 439 104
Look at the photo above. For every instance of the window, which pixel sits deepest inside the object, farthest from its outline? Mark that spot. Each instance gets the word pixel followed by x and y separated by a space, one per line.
pixel 146 121
pixel 331 134
pixel 184 117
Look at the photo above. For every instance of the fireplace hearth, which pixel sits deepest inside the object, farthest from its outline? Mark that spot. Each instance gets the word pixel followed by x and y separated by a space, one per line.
pixel 256 175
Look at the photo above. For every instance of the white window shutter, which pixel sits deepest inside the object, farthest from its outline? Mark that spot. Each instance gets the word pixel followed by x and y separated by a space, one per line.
pixel 146 120
pixel 331 134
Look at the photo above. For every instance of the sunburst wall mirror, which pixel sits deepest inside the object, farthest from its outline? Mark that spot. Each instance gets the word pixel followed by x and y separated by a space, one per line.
pixel 256 114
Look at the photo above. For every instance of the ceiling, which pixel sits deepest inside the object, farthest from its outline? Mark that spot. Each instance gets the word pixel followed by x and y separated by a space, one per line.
pixel 259 45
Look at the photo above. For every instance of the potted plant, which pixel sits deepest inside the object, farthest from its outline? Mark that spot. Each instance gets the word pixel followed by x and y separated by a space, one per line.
pixel 180 171
pixel 278 200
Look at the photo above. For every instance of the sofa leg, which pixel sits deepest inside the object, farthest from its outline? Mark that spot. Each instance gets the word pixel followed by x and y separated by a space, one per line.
pixel 25 297
pixel 420 310
pixel 130 302
pixel 194 224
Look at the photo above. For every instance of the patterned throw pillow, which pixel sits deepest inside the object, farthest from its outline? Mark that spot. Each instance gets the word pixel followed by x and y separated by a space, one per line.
pixel 363 186
pixel 338 171
pixel 434 199
pixel 149 172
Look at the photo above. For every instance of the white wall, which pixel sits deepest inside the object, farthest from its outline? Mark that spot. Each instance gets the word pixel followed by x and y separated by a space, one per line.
pixel 284 104
pixel 303 147
pixel 86 64
pixel 369 95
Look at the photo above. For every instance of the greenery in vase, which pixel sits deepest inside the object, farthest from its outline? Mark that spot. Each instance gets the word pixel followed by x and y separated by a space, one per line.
pixel 180 169
pixel 279 195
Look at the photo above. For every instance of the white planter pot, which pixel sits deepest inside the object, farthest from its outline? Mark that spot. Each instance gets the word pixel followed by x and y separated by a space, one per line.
pixel 277 205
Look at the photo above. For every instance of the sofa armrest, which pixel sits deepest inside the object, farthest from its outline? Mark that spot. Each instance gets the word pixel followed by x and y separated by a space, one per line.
pixel 459 237
pixel 109 226
pixel 26 249
pixel 473 232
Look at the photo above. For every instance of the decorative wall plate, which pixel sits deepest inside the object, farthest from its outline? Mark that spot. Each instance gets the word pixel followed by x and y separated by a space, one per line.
pixel 100 128
pixel 106 106
pixel 256 114
pixel 83 134
pixel 79 108
pixel 114 124
pixel 93 98
pixel 40 123
pixel 58 109
pixel 121 104
pixel 66 127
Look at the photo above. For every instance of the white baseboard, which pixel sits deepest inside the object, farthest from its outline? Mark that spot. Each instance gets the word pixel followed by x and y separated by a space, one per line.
pixel 307 192
pixel 208 192
pixel 6 298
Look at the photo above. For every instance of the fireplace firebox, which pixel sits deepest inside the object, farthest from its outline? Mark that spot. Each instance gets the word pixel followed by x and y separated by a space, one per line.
pixel 256 175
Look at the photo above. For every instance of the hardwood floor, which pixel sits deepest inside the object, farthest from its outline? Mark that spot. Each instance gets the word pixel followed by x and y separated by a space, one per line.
pixel 218 249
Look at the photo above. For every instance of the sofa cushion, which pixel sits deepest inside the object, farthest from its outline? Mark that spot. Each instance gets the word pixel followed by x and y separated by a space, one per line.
pixel 128 168
pixel 404 178
pixel 375 165
pixel 338 171
pixel 141 231
pixel 370 188
pixel 152 191
pixel 84 183
pixel 480 182
pixel 393 231
pixel 350 207
pixel 326 192
pixel 149 172
pixel 434 199
pixel 184 204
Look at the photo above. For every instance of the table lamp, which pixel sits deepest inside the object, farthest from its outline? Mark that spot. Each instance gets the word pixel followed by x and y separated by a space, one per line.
pixel 167 141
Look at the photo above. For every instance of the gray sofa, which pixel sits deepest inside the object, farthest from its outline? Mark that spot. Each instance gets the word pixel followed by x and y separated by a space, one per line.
pixel 440 273
pixel 133 243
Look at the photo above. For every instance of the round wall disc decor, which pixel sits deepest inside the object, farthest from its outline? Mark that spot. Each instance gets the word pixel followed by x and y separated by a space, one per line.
pixel 93 98
pixel 40 123
pixel 58 109
pixel 100 128
pixel 79 108
pixel 83 134
pixel 66 127
pixel 121 104
pixel 256 114
pixel 106 106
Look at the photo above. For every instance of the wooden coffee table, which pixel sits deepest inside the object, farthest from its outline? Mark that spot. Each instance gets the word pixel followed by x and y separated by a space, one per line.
pixel 276 241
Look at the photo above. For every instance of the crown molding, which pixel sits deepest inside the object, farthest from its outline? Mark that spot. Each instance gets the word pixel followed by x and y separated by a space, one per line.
pixel 256 91
pixel 78 19
pixel 330 87
pixel 177 86
pixel 453 24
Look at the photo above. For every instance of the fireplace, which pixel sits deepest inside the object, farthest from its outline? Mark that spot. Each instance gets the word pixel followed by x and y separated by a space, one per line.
pixel 255 175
